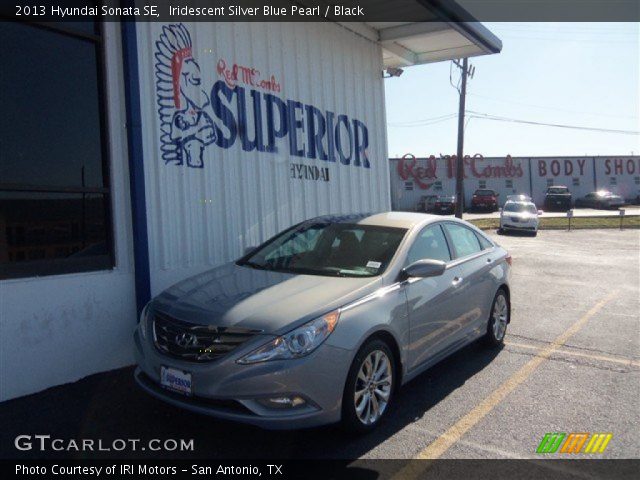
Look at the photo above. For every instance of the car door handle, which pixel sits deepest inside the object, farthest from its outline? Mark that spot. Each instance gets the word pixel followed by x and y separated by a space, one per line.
pixel 456 281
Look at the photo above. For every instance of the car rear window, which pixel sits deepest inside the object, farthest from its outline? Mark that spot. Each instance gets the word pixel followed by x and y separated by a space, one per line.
pixel 485 192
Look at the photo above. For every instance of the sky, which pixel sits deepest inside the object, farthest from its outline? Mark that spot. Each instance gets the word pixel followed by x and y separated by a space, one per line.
pixel 579 74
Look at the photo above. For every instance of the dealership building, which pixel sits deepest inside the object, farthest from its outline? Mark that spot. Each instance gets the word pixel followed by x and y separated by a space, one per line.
pixel 135 155
pixel 412 178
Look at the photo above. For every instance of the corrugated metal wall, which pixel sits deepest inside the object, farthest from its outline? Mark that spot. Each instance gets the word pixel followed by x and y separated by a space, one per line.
pixel 412 178
pixel 200 217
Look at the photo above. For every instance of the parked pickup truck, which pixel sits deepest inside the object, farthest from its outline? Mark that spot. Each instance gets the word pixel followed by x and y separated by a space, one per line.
pixel 557 197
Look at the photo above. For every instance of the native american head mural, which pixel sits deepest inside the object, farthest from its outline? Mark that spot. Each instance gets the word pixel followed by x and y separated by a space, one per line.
pixel 186 128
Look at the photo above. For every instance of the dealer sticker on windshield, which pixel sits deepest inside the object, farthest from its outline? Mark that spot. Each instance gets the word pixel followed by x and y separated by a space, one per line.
pixel 176 380
pixel 372 264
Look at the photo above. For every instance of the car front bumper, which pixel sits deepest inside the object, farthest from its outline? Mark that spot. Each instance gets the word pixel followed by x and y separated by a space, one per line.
pixel 519 226
pixel 228 390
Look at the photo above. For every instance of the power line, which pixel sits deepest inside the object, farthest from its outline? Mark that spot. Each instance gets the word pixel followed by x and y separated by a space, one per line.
pixel 423 122
pixel 487 116
pixel 549 108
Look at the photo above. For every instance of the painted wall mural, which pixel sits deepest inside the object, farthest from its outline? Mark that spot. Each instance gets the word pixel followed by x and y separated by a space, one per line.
pixel 413 177
pixel 236 109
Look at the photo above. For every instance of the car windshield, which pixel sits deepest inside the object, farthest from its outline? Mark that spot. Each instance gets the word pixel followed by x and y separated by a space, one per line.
pixel 446 199
pixel 331 249
pixel 558 190
pixel 520 208
pixel 485 192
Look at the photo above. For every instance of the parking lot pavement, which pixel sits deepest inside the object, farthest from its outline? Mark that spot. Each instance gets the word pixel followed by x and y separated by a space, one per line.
pixel 577 212
pixel 571 363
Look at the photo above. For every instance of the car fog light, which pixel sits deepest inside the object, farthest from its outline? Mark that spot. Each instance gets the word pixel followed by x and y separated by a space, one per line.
pixel 293 401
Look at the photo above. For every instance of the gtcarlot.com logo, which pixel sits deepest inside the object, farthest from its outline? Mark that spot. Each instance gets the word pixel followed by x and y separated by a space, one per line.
pixel 574 443
pixel 47 443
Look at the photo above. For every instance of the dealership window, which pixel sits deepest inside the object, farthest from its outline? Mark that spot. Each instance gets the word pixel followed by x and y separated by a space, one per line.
pixel 549 182
pixel 613 181
pixel 482 184
pixel 508 183
pixel 576 181
pixel 408 185
pixel 438 185
pixel 637 180
pixel 54 188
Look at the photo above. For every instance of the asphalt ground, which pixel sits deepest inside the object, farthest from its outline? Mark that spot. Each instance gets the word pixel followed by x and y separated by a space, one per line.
pixel 571 363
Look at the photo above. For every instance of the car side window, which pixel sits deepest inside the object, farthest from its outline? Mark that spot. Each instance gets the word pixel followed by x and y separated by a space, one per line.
pixel 484 243
pixel 464 240
pixel 430 244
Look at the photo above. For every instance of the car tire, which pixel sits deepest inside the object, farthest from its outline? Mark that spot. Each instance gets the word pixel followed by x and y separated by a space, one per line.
pixel 500 312
pixel 355 418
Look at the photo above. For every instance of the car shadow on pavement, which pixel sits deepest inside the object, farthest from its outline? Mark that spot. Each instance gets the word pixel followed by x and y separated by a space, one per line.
pixel 515 233
pixel 109 406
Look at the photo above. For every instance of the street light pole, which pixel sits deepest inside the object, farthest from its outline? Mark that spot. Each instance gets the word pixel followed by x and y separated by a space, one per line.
pixel 459 154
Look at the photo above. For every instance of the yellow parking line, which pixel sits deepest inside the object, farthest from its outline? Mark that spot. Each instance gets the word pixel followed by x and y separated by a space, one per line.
pixel 439 446
pixel 603 358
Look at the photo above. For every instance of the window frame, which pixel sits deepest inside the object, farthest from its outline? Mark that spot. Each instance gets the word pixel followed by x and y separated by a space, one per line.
pixel 29 270
pixel 460 259
pixel 417 236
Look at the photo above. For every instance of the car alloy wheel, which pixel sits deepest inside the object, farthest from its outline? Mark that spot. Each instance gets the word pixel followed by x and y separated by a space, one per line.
pixel 499 319
pixel 373 387
pixel 369 387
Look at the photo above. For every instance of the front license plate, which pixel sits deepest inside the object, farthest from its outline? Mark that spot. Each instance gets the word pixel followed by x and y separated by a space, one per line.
pixel 175 380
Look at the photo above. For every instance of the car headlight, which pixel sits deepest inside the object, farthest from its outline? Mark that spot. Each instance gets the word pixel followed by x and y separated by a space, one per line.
pixel 297 343
pixel 144 319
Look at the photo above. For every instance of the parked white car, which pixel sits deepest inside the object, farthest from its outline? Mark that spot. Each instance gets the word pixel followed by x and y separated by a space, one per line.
pixel 519 216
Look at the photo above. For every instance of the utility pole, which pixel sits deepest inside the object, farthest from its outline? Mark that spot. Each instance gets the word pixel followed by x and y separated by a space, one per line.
pixel 460 153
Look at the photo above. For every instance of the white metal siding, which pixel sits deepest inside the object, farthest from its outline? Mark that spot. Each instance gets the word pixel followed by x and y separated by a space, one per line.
pixel 561 171
pixel 199 218
pixel 619 174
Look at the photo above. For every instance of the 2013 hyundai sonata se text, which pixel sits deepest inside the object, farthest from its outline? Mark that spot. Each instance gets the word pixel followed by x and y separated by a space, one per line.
pixel 324 322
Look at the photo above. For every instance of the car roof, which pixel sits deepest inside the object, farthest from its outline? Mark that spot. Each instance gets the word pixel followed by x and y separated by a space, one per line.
pixel 385 219
pixel 518 202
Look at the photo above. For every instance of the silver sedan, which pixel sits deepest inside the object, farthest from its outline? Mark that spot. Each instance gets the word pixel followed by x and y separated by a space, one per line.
pixel 324 322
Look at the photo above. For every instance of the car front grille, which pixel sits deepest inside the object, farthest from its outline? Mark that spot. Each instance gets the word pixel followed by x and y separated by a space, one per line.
pixel 196 343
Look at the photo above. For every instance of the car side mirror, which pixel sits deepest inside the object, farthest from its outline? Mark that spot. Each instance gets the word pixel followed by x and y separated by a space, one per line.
pixel 423 269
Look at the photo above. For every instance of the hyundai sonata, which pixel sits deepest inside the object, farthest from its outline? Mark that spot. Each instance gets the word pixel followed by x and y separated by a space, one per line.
pixel 325 321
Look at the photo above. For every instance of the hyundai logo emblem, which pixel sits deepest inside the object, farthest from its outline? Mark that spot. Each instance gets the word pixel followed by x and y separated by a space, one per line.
pixel 185 340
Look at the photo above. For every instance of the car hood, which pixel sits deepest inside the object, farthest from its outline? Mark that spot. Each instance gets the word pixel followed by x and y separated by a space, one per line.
pixel 273 302
pixel 523 216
